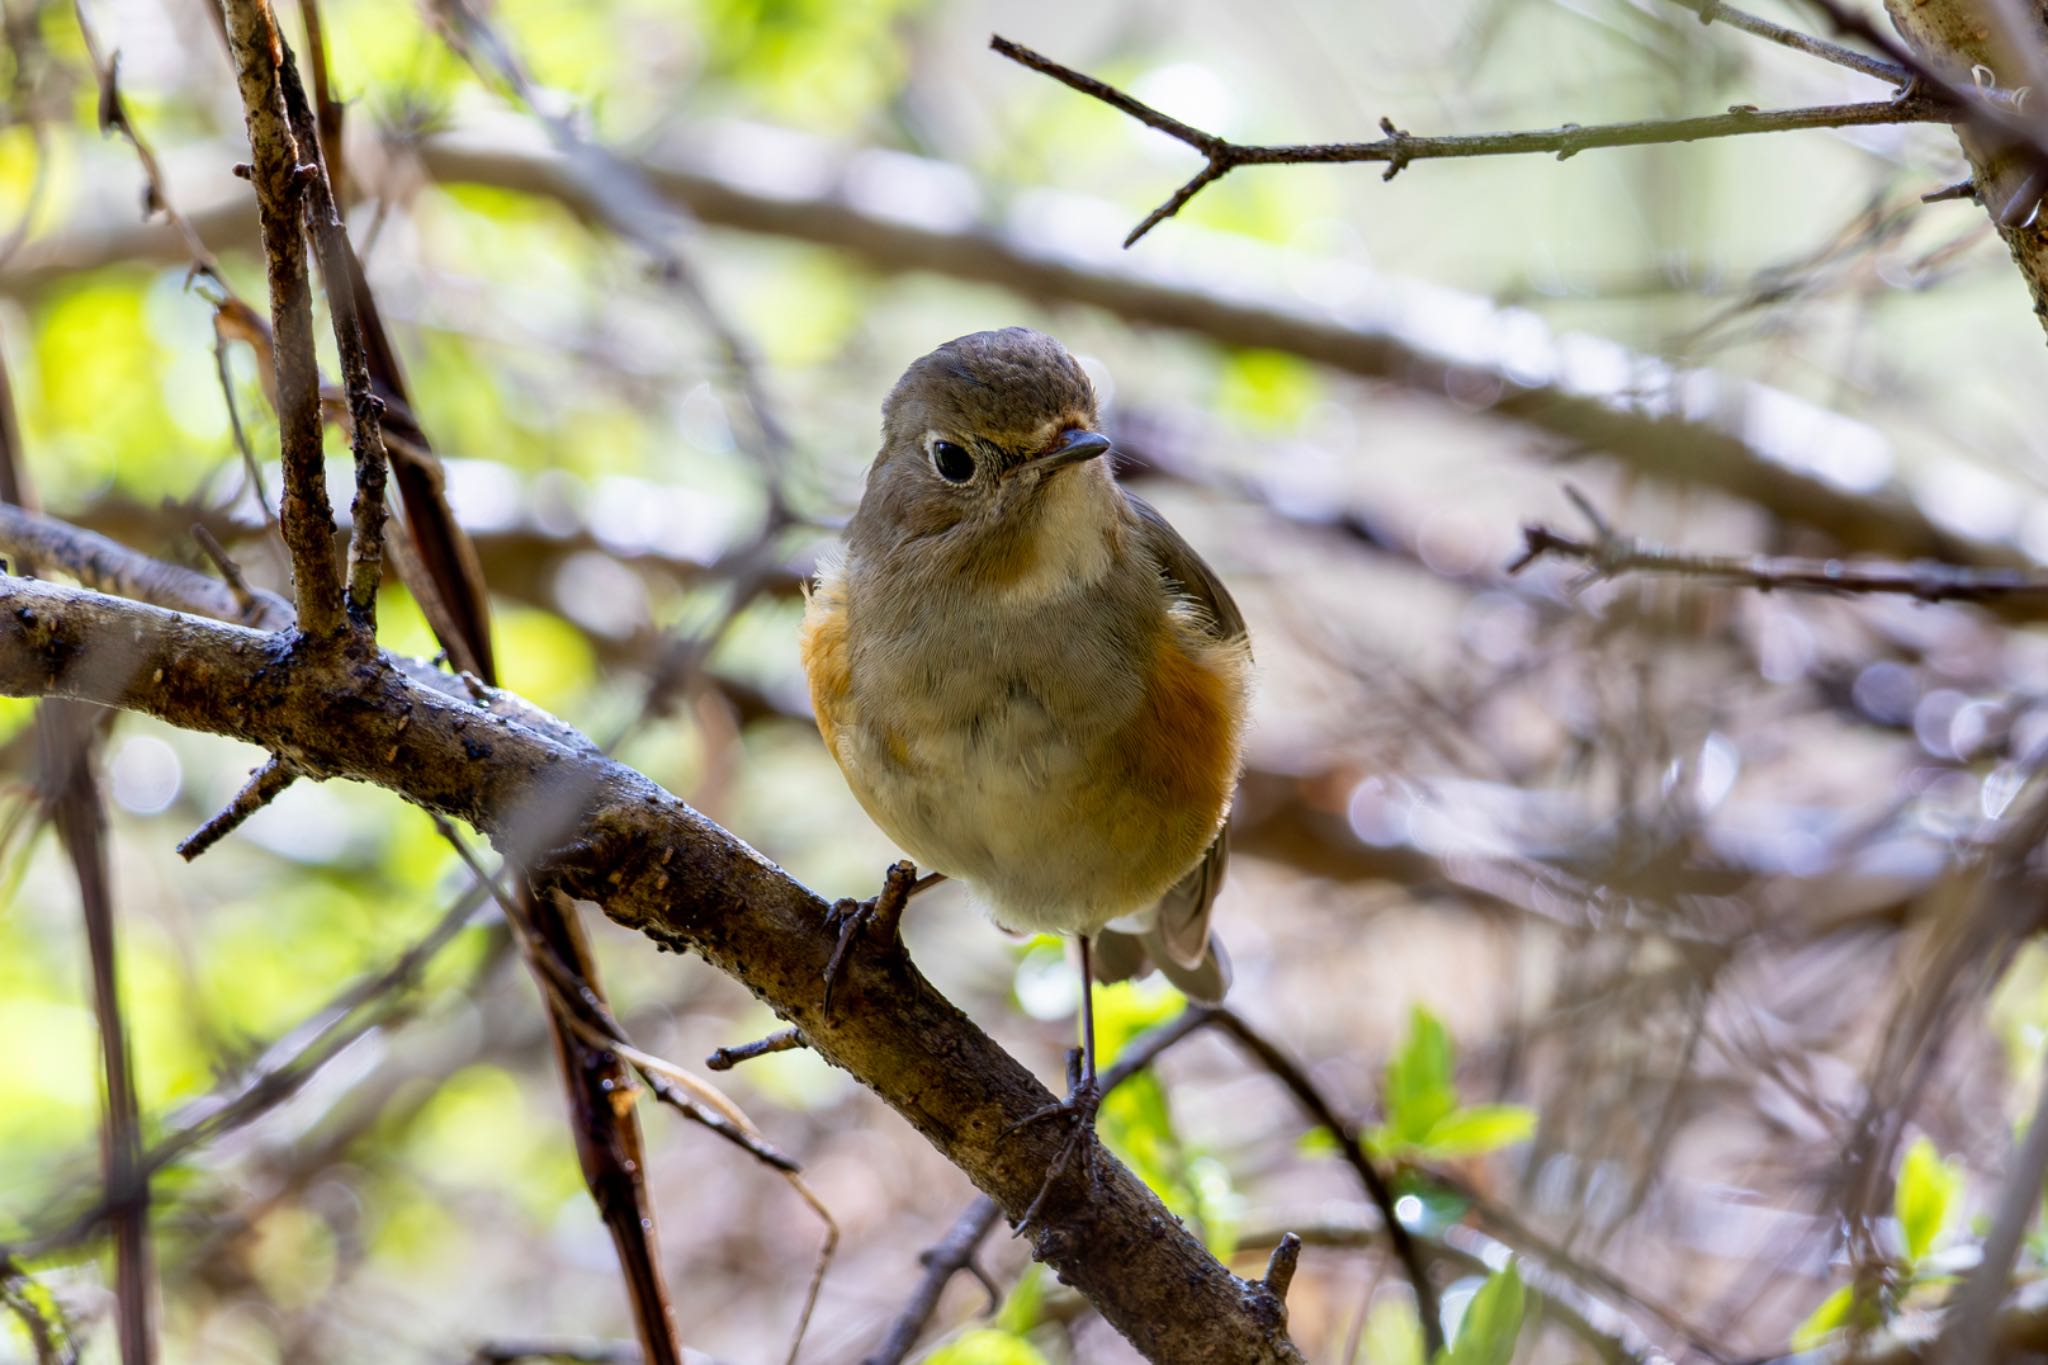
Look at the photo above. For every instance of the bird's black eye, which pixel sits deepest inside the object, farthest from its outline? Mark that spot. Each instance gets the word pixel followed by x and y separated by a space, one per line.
pixel 952 461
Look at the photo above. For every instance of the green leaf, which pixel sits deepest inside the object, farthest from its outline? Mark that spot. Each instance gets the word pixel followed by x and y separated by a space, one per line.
pixel 1024 1306
pixel 1393 1334
pixel 1492 1323
pixel 1830 1317
pixel 986 1346
pixel 1419 1089
pixel 1479 1128
pixel 1926 1193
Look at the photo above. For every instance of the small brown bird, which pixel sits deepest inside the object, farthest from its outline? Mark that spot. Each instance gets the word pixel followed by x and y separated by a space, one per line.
pixel 1030 681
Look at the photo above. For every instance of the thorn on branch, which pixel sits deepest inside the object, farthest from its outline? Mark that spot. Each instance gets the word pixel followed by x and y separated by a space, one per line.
pixel 1962 189
pixel 726 1058
pixel 230 572
pixel 1400 137
pixel 263 787
pixel 1280 1266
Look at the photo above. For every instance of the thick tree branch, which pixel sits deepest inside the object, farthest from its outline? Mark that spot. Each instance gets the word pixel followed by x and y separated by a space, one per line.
pixel 1398 148
pixel 955 1252
pixel 656 866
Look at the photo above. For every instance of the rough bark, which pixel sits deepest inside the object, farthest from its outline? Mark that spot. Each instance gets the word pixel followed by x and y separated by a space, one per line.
pixel 280 189
pixel 601 831
pixel 1955 37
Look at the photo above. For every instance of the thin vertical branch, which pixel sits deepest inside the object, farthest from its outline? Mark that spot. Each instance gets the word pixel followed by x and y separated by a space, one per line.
pixel 365 410
pixel 67 737
pixel 1966 1336
pixel 308 518
pixel 1350 1144
pixel 329 109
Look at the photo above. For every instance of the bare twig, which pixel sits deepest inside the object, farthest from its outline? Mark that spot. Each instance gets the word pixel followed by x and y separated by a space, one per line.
pixel 263 787
pixel 338 271
pixel 1351 1145
pixel 581 1008
pixel 113 117
pixel 229 571
pixel 106 564
pixel 942 1260
pixel 1609 554
pixel 1398 148
pixel 1691 427
pixel 1279 1276
pixel 308 518
pixel 783 1040
pixel 1714 12
pixel 68 739
pixel 1607 1332
pixel 1971 1318
pixel 330 109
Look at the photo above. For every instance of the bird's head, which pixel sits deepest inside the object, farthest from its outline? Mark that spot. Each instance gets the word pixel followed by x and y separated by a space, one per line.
pixel 988 443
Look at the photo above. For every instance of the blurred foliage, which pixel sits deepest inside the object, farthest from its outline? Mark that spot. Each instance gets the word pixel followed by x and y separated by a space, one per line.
pixel 1424 1117
pixel 1491 1324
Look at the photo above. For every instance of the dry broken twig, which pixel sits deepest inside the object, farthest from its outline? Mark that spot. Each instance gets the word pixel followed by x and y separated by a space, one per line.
pixel 1609 554
pixel 1400 147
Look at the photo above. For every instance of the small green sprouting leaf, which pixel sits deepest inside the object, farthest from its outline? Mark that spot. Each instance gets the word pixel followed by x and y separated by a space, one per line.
pixel 1419 1089
pixel 1479 1128
pixel 1927 1191
pixel 1316 1142
pixel 1492 1323
pixel 1024 1306
pixel 1830 1317
pixel 1393 1334
pixel 986 1346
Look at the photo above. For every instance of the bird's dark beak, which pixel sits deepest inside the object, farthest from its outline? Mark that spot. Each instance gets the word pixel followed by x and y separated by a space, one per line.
pixel 1073 448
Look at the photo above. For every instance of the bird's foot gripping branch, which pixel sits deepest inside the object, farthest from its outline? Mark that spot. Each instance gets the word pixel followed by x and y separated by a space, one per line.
pixel 655 865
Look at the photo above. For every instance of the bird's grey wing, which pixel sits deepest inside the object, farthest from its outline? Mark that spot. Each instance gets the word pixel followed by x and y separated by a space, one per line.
pixel 1181 567
pixel 1180 936
pixel 1120 956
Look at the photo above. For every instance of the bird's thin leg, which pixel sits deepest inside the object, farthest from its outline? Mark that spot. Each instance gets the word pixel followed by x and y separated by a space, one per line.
pixel 1087 1018
pixel 882 912
pixel 1084 1098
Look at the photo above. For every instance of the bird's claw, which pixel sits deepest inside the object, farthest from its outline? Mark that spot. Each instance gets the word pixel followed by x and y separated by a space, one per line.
pixel 852 918
pixel 1079 1110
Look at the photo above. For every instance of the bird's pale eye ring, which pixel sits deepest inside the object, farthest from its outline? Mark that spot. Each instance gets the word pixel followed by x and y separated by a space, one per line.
pixel 952 461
